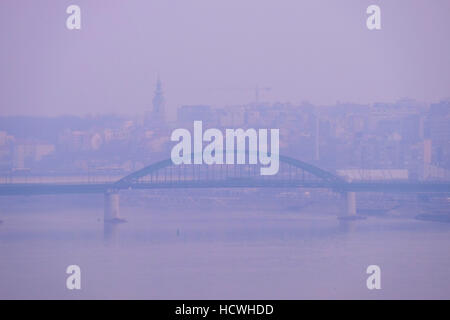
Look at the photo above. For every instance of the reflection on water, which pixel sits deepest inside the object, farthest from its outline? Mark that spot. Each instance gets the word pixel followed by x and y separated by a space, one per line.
pixel 110 232
pixel 347 226
pixel 210 254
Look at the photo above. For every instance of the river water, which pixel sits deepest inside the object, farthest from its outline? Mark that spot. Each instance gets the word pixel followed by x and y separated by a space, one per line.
pixel 224 253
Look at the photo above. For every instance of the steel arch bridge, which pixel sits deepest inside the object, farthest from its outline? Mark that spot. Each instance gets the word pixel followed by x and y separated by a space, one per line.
pixel 165 174
pixel 292 173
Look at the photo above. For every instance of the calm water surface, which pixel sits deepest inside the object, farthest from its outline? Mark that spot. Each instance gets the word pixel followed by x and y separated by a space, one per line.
pixel 204 254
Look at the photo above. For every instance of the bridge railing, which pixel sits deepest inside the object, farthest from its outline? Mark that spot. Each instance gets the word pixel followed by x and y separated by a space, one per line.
pixel 59 179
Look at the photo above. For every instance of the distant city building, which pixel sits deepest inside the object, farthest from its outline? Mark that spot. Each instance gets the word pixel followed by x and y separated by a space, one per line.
pixel 403 135
pixel 427 151
pixel 26 153
pixel 191 113
pixel 42 150
pixel 438 130
pixel 21 154
pixel 3 138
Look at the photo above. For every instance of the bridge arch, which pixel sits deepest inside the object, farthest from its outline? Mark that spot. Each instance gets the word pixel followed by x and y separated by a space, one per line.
pixel 315 171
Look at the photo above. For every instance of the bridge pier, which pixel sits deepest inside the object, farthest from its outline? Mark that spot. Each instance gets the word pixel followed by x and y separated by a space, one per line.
pixel 351 203
pixel 111 207
pixel 349 211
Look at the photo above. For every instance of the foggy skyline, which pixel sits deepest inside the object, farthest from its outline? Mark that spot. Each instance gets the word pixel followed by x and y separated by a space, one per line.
pixel 216 53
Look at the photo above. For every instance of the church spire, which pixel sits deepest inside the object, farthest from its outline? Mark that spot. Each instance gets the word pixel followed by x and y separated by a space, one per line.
pixel 158 114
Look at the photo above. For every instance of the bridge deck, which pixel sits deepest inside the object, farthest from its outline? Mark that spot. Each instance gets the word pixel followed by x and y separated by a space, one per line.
pixel 58 188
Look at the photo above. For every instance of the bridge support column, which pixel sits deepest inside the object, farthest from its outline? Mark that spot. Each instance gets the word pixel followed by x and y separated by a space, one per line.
pixel 351 203
pixel 111 206
pixel 349 212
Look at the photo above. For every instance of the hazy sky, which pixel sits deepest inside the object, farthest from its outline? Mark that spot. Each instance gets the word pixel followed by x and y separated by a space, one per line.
pixel 216 52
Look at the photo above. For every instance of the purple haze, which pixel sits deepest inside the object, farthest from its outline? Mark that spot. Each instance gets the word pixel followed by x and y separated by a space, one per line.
pixel 216 52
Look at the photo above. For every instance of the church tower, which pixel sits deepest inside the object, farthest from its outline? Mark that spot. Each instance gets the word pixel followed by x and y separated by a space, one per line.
pixel 158 112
